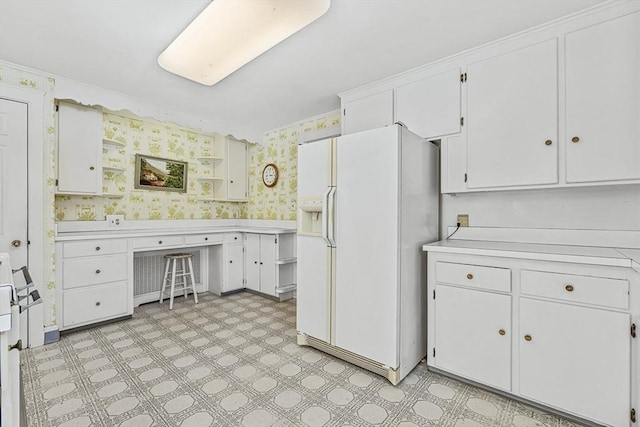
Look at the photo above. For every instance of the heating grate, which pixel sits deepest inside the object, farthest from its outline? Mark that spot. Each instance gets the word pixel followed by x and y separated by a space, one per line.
pixel 148 270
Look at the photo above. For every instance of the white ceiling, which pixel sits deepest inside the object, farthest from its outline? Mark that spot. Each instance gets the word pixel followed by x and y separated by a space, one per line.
pixel 115 44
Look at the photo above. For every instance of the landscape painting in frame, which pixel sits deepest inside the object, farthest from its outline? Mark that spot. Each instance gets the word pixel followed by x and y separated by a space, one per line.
pixel 154 173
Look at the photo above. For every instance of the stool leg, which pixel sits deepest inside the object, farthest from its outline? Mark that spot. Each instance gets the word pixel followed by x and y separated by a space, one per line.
pixel 184 279
pixel 173 284
pixel 166 276
pixel 193 281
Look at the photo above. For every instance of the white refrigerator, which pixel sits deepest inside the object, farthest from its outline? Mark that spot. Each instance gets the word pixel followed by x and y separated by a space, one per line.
pixel 367 202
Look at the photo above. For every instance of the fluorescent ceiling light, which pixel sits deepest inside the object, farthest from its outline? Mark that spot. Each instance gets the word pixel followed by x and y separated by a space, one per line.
pixel 230 33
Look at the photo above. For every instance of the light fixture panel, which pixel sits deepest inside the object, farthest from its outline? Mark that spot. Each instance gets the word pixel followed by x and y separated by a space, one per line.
pixel 230 33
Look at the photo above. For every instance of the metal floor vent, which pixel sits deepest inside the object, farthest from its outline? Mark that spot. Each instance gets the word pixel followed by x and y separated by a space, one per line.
pixel 148 270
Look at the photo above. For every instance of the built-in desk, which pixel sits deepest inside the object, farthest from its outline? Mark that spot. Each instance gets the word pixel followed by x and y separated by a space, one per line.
pixel 103 273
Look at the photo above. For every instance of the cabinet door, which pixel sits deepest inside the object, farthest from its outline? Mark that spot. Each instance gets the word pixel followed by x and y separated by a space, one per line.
pixel 469 338
pixel 370 112
pixel 512 118
pixel 577 359
pixel 431 107
pixel 603 101
pixel 268 264
pixel 234 257
pixel 79 149
pixel 237 170
pixel 453 151
pixel 252 261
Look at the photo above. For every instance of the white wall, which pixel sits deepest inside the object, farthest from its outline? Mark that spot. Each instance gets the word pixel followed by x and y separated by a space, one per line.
pixel 599 208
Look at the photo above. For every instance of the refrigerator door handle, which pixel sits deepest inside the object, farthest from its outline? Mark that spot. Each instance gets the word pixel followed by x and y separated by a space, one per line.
pixel 325 220
pixel 330 216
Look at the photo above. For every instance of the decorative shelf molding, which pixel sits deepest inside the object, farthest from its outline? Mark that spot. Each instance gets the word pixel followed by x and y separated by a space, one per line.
pixel 112 169
pixel 210 159
pixel 210 178
pixel 286 261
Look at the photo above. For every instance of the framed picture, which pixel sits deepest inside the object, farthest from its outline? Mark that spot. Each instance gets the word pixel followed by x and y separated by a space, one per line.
pixel 154 173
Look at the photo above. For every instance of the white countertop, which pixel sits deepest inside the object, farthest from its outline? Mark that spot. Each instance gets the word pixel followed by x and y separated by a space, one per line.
pixel 74 232
pixel 599 247
pixel 577 254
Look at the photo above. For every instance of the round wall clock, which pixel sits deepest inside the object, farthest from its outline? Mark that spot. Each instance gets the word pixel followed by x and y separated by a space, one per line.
pixel 270 175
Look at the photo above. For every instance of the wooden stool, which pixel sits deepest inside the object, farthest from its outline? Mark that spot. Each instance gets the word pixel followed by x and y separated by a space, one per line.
pixel 185 272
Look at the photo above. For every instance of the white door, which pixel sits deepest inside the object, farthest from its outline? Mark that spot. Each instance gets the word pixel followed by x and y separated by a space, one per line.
pixel 603 101
pixel 252 261
pixel 512 118
pixel 367 275
pixel 237 170
pixel 431 107
pixel 235 267
pixel 314 266
pixel 13 191
pixel 268 264
pixel 567 360
pixel 470 322
pixel 79 149
pixel 366 113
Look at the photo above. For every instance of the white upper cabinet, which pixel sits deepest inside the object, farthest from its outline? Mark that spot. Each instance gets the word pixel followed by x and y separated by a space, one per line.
pixel 430 107
pixel 603 101
pixel 512 118
pixel 369 112
pixel 79 163
pixel 236 170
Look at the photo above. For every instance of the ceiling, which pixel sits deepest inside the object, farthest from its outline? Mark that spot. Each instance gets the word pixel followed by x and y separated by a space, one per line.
pixel 114 44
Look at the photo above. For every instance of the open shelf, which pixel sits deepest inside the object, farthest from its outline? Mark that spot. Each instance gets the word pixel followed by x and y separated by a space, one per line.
pixel 112 169
pixel 210 178
pixel 112 143
pixel 286 261
pixel 210 159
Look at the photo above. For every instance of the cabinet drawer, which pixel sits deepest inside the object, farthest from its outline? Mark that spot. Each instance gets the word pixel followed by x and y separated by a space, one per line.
pixel 157 242
pixel 204 239
pixel 94 247
pixel 475 276
pixel 233 237
pixel 94 270
pixel 94 304
pixel 587 289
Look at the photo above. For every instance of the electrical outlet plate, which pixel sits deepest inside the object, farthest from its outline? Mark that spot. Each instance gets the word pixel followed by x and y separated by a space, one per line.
pixel 115 220
pixel 463 220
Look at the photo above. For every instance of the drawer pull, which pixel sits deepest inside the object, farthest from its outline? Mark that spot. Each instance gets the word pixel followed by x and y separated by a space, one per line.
pixel 160 242
pixel 97 303
pixel 469 276
pixel 92 168
pixel 548 142
pixel 98 271
pixel 502 332
pixel 230 261
pixel 97 248
pixel 575 139
pixel 569 288
pixel 206 238
pixel 527 337
pixel 235 238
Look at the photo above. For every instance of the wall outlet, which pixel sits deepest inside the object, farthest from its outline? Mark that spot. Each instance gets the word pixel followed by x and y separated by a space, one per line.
pixel 463 220
pixel 115 220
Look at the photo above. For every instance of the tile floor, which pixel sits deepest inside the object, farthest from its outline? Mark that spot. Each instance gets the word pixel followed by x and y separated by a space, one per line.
pixel 233 361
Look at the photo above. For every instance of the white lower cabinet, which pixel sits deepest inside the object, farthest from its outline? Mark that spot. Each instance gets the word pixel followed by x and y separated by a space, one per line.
pixel 557 334
pixel 233 278
pixel 482 328
pixel 93 282
pixel 261 262
pixel 270 264
pixel 576 358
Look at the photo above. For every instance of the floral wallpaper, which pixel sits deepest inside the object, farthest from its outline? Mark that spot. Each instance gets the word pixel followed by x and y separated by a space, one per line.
pixel 132 135
pixel 280 202
pixel 16 77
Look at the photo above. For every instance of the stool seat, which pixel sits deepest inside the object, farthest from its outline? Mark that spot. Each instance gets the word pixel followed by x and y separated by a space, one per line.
pixel 185 273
